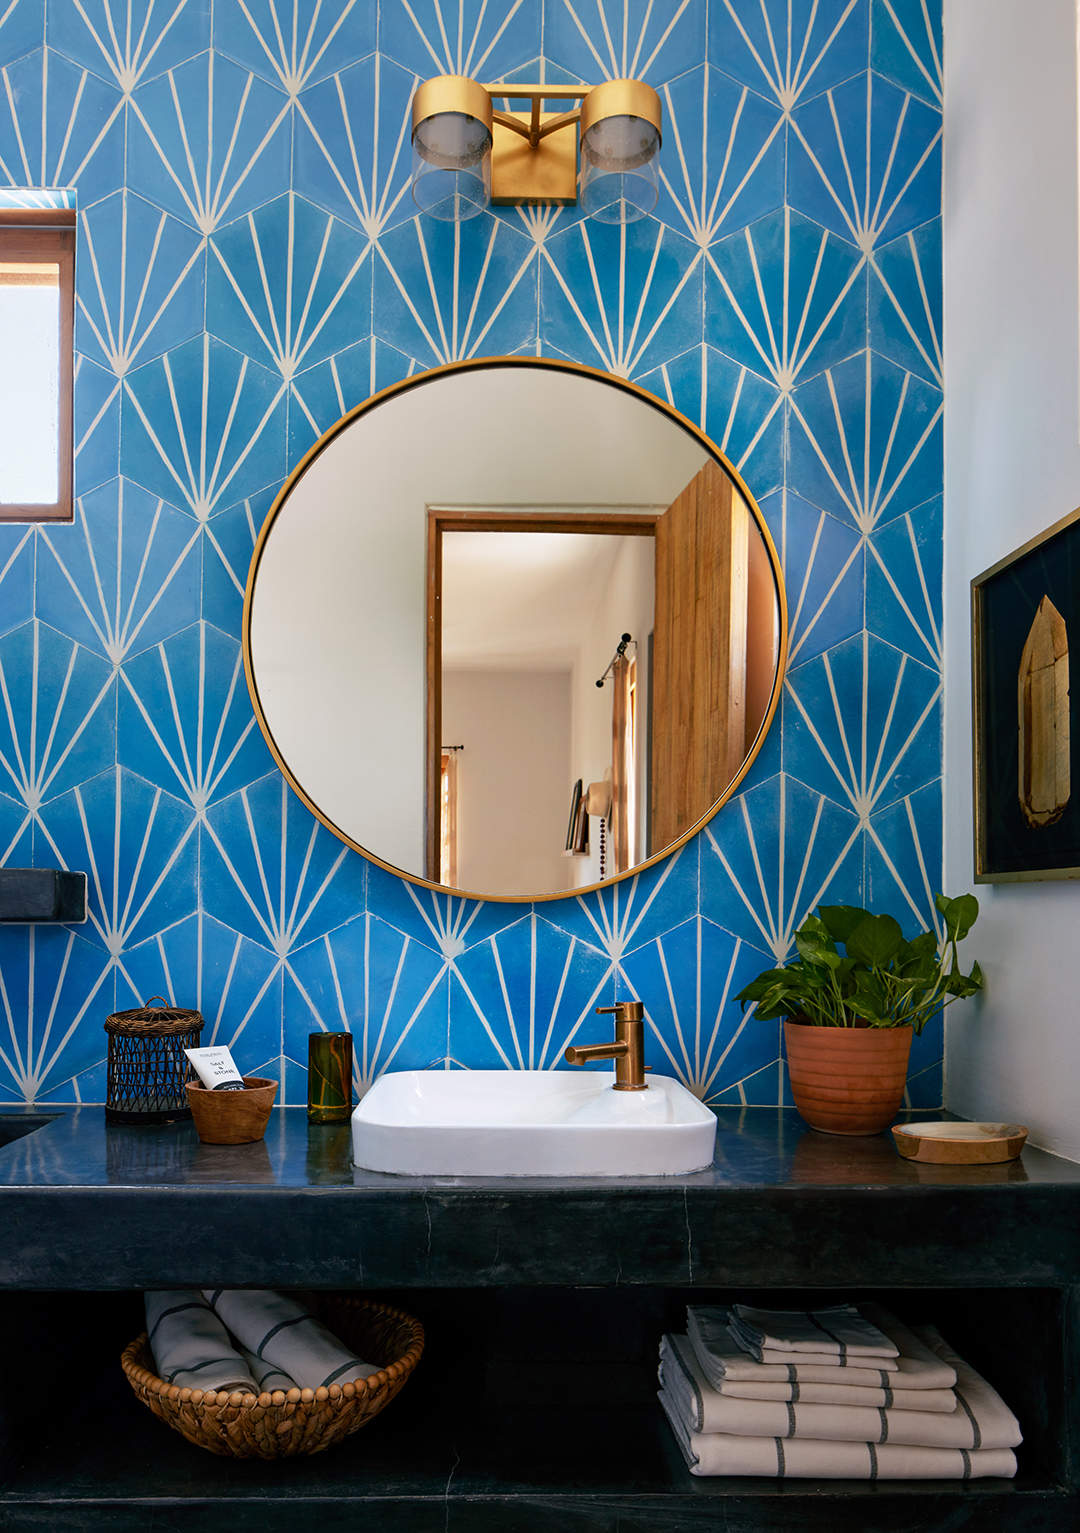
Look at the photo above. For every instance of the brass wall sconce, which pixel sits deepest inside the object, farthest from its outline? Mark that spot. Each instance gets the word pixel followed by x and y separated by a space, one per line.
pixel 467 155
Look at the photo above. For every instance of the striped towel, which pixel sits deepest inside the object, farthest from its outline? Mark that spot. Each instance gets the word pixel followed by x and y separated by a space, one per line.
pixel 724 1362
pixel 191 1347
pixel 266 1375
pixel 982 1419
pixel 280 1331
pixel 839 1332
pixel 721 1453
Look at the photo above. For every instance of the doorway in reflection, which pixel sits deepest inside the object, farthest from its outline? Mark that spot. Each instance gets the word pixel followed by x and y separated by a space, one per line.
pixel 528 620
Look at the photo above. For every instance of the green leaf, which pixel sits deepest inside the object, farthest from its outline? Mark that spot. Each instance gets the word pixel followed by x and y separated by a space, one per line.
pixel 960 915
pixel 841 920
pixel 875 940
pixel 817 947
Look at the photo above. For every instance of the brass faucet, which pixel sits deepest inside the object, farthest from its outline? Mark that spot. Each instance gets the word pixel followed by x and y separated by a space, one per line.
pixel 628 1050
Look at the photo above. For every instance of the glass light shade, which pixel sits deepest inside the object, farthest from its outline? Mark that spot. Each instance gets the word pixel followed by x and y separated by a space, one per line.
pixel 620 169
pixel 451 166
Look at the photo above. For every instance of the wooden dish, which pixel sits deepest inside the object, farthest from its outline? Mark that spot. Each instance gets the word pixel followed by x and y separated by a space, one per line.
pixel 960 1144
pixel 281 1425
pixel 232 1117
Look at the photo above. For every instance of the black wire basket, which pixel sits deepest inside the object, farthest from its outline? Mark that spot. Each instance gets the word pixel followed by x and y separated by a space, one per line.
pixel 147 1064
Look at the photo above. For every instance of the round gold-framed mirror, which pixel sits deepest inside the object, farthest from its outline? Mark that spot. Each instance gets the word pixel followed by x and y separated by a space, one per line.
pixel 514 628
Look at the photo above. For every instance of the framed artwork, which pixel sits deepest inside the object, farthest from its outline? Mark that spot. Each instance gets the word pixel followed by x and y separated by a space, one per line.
pixel 1025 616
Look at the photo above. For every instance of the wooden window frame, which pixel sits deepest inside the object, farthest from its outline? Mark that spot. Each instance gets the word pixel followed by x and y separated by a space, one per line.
pixel 48 234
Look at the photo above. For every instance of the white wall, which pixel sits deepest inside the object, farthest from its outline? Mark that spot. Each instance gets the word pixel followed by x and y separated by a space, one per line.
pixel 624 606
pixel 513 797
pixel 1012 467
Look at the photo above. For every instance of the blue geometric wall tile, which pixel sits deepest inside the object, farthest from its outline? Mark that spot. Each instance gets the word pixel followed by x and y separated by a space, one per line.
pixel 906 46
pixel 139 282
pixel 866 726
pixel 60 126
pixel 520 998
pixel 203 426
pixel 625 38
pixel 903 860
pixel 624 299
pixel 97 425
pixel 723 159
pixel 22 29
pixel 895 136
pixel 54 988
pixel 786 52
pixel 184 718
pixel 742 413
pixel 772 855
pixel 785 298
pixel 272 871
pixel 833 414
pixel 16 834
pixel 688 979
pixel 622 917
pixel 924 1062
pixel 139 849
pixel 125 576
pixel 305 278
pixel 58 725
pixel 446 923
pixel 478 297
pixel 293 43
pixel 766 1088
pixel 823 559
pixel 903 583
pixel 18 548
pixel 375 982
pixel 926 1083
pixel 235 983
pixel 470 37
pixel 905 301
pixel 352 153
pixel 320 396
pixel 131 41
pixel 228 543
pixel 209 142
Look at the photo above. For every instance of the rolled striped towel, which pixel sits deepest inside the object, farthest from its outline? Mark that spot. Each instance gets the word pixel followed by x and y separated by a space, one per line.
pixel 722 1453
pixel 724 1361
pixel 191 1347
pixel 282 1332
pixel 266 1375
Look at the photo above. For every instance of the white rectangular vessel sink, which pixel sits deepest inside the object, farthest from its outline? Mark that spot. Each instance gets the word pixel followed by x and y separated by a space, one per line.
pixel 529 1123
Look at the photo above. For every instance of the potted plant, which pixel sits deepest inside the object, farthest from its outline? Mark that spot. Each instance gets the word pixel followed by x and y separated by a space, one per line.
pixel 849 1016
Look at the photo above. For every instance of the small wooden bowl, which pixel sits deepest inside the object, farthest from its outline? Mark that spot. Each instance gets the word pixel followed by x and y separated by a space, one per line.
pixel 960 1144
pixel 232 1117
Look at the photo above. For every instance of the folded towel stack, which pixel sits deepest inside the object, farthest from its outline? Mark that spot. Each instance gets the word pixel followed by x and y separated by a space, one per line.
pixel 905 1406
pixel 253 1340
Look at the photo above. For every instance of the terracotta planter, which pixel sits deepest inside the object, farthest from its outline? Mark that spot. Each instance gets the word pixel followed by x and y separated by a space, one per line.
pixel 847 1080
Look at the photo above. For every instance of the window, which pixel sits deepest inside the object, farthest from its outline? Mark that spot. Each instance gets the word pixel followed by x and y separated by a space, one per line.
pixel 37 288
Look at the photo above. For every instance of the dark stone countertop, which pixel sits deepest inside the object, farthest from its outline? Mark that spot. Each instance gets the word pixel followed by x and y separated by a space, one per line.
pixel 94 1206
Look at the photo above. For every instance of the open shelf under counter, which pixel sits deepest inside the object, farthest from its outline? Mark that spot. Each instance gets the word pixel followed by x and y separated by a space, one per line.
pixel 534 1405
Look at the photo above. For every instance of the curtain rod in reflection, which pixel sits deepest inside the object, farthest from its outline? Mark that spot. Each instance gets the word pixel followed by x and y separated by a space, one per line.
pixel 619 653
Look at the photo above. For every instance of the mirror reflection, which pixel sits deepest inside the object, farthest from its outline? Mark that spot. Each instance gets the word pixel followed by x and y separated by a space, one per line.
pixel 514 628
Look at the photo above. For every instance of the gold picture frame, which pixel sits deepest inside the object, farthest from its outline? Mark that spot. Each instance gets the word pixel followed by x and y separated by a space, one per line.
pixel 1025 611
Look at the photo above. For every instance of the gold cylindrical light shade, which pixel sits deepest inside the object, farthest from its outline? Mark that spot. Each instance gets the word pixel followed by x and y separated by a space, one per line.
pixel 620 142
pixel 451 141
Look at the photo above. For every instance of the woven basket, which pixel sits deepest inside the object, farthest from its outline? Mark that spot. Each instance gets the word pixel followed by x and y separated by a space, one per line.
pixel 147 1065
pixel 303 1421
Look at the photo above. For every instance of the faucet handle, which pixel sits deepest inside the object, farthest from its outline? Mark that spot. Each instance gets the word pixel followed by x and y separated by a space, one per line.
pixel 626 1011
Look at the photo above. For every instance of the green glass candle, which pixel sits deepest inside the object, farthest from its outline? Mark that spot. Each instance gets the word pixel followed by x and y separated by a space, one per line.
pixel 329 1091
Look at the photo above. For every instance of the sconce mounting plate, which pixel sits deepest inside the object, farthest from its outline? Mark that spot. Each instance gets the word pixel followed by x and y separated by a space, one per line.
pixel 540 177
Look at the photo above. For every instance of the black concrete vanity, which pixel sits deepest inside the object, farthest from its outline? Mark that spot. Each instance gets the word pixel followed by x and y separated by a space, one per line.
pixel 533 1407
